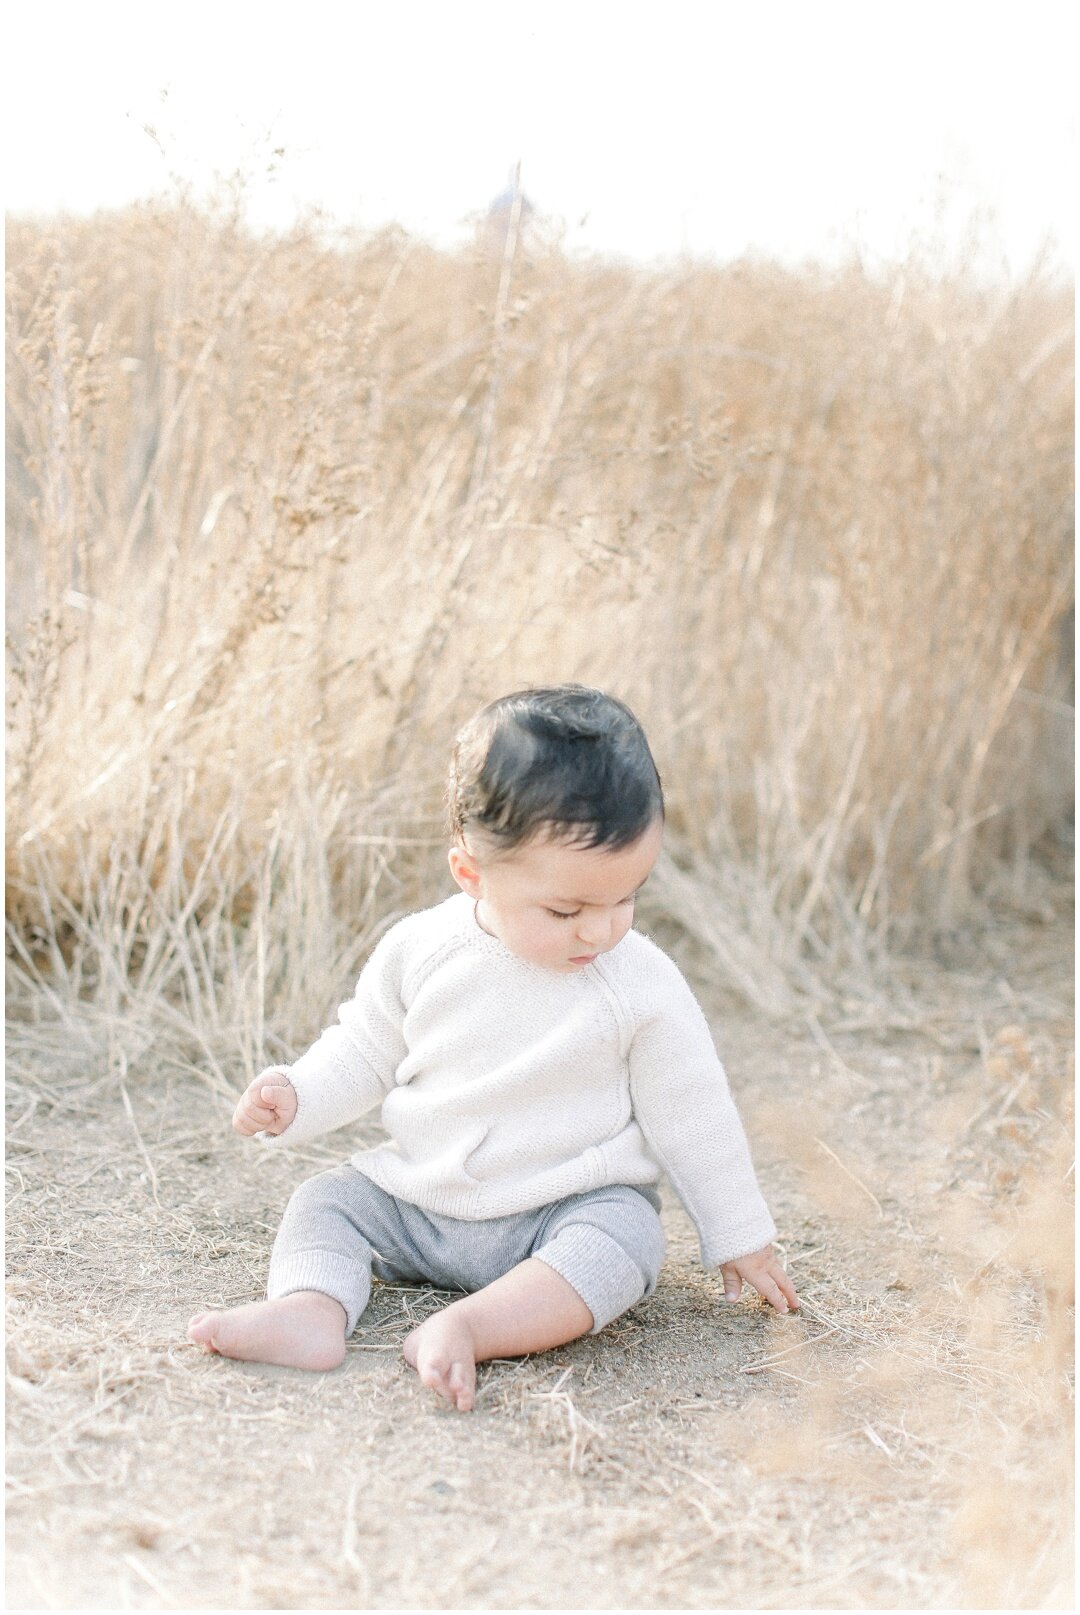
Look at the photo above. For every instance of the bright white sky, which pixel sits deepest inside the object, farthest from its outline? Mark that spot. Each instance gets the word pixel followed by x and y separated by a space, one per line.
pixel 717 126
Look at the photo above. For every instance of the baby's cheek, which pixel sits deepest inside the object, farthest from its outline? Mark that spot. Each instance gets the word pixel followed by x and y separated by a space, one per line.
pixel 540 938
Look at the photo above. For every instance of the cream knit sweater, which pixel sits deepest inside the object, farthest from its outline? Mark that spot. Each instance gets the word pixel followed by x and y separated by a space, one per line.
pixel 505 1085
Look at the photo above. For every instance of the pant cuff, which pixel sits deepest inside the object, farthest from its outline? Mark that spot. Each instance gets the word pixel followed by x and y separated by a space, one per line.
pixel 345 1281
pixel 605 1277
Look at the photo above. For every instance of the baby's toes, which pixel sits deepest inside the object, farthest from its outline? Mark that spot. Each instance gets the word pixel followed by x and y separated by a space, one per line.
pixel 200 1330
pixel 448 1379
pixel 434 1373
pixel 461 1382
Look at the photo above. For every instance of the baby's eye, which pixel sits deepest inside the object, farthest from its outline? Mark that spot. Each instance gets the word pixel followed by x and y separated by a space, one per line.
pixel 558 914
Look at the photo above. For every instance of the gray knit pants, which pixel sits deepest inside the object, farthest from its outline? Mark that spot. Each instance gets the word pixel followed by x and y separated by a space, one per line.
pixel 339 1227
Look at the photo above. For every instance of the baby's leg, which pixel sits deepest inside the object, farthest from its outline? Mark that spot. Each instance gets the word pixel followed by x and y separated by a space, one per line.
pixel 595 1255
pixel 319 1280
pixel 531 1308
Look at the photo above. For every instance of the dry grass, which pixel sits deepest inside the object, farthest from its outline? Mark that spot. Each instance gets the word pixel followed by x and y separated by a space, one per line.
pixel 281 513
pixel 902 1443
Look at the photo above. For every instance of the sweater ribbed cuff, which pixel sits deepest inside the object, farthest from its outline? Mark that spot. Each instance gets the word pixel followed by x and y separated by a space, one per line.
pixel 728 1244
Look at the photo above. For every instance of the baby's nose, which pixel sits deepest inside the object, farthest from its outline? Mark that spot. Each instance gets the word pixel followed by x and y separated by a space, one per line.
pixel 594 929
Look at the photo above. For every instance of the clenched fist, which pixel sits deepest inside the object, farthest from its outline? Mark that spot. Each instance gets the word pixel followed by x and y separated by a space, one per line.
pixel 267 1104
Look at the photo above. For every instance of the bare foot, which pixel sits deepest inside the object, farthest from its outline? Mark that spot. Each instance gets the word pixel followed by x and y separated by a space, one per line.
pixel 443 1352
pixel 303 1330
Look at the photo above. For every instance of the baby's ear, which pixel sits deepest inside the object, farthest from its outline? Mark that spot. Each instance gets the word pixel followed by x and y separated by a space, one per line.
pixel 465 869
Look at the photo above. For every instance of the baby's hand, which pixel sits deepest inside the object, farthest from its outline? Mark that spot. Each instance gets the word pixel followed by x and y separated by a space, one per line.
pixel 763 1271
pixel 267 1105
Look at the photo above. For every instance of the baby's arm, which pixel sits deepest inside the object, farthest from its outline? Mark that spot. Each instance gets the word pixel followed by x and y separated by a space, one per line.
pixel 684 1107
pixel 267 1104
pixel 348 1071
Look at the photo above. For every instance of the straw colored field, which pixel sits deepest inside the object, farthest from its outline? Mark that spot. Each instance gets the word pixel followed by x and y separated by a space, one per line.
pixel 281 513
pixel 903 1443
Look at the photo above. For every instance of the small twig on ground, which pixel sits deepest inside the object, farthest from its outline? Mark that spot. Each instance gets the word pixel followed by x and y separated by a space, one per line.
pixel 767 1362
pixel 348 1538
pixel 823 1043
pixel 145 1153
pixel 151 1581
pixel 849 1173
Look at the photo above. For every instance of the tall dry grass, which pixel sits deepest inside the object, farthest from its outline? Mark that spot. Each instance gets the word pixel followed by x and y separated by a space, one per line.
pixel 282 511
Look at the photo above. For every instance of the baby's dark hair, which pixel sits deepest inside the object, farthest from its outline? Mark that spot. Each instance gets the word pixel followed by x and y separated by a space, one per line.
pixel 567 760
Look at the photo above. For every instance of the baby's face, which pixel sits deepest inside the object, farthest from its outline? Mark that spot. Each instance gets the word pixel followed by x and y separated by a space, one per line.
pixel 558 905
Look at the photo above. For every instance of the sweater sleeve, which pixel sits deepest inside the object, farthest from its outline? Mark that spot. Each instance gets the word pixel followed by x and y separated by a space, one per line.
pixel 683 1105
pixel 351 1068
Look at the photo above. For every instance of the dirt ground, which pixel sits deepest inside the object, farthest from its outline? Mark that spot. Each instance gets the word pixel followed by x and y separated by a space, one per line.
pixel 902 1443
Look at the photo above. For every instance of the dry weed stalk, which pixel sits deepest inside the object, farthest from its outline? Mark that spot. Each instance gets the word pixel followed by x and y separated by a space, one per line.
pixel 285 511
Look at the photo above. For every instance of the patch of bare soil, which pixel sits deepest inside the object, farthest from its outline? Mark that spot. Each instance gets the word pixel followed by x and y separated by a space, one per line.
pixel 901 1443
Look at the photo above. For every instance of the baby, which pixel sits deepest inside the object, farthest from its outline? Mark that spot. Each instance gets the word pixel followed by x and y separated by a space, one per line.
pixel 539 1064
